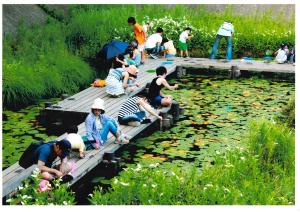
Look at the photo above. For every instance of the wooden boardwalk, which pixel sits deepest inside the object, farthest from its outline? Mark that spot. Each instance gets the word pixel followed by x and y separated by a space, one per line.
pixel 82 101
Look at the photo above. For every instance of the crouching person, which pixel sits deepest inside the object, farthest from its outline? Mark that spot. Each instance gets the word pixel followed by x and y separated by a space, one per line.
pixel 131 113
pixel 76 143
pixel 155 96
pixel 47 153
pixel 98 125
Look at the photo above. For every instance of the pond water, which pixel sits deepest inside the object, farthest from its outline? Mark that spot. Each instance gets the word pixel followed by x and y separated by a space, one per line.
pixel 217 113
pixel 19 129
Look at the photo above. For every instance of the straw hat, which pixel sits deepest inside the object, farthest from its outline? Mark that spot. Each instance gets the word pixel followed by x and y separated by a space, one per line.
pixel 132 70
pixel 98 104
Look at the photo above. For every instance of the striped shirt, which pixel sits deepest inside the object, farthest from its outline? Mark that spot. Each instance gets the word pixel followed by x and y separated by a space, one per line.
pixel 129 107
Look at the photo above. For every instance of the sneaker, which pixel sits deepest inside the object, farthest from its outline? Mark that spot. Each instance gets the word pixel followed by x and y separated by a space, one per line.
pixel 67 178
pixel 122 139
pixel 146 121
pixel 142 63
pixel 134 123
pixel 153 56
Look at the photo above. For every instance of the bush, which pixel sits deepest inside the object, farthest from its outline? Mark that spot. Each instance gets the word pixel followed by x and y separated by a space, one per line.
pixel 254 35
pixel 30 194
pixel 37 64
pixel 264 173
pixel 287 115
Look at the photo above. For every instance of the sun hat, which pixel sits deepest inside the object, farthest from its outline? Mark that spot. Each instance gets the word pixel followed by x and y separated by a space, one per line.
pixel 98 104
pixel 132 70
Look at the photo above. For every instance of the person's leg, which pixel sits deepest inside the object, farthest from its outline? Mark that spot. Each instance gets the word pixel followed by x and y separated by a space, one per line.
pixel 181 53
pixel 187 53
pixel 229 48
pixel 215 47
pixel 108 127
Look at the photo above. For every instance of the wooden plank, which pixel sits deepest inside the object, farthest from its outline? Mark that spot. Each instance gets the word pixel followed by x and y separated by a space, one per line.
pixel 12 184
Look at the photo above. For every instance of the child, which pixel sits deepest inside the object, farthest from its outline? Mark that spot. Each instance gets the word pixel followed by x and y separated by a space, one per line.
pixel 282 53
pixel 117 80
pixel 170 50
pixel 139 36
pixel 184 36
pixel 226 31
pixel 134 56
pixel 155 96
pixel 76 143
pixel 153 43
pixel 131 113
pixel 98 125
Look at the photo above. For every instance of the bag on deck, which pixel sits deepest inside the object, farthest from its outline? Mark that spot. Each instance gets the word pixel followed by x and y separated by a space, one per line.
pixel 27 158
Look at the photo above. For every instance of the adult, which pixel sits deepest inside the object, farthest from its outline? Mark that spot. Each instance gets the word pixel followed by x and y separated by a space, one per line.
pixel 133 111
pixel 98 125
pixel 155 96
pixel 226 31
pixel 153 44
pixel 139 36
pixel 47 153
pixel 120 79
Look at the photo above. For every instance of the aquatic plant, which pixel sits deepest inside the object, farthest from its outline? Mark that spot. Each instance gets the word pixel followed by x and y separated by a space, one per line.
pixel 31 192
pixel 237 177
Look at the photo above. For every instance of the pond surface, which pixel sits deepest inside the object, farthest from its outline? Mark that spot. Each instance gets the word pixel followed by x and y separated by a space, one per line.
pixel 19 129
pixel 217 113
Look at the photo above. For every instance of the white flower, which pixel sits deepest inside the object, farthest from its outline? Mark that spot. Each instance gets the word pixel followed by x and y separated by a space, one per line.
pixel 9 200
pixel 144 185
pixel 204 188
pixel 217 152
pixel 161 194
pixel 173 173
pixel 149 200
pixel 116 181
pixel 124 184
pixel 209 185
pixel 90 195
pixel 20 187
pixel 242 158
pixel 153 165
pixel 154 185
pixel 65 202
pixel 226 189
pixel 139 167
pixel 228 165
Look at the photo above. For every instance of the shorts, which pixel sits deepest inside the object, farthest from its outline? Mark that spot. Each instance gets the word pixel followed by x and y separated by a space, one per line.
pixel 156 101
pixel 170 55
pixel 141 47
pixel 183 46
pixel 155 50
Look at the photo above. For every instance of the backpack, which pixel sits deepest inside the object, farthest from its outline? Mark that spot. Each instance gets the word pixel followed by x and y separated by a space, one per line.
pixel 27 159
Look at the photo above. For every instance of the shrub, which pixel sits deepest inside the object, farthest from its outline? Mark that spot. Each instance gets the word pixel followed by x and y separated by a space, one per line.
pixel 264 173
pixel 287 115
pixel 37 64
pixel 29 194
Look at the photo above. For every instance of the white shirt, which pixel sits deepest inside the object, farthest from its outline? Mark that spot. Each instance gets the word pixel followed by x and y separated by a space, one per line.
pixel 281 56
pixel 183 37
pixel 153 40
pixel 98 124
pixel 226 29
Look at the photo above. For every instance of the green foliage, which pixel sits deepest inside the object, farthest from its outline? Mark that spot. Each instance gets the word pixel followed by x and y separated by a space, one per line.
pixel 237 177
pixel 37 64
pixel 29 194
pixel 287 115
pixel 90 28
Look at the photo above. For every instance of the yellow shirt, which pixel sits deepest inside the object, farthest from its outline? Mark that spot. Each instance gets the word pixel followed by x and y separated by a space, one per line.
pixel 169 47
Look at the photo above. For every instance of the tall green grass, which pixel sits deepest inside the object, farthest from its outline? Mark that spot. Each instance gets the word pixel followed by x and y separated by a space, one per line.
pixel 262 174
pixel 38 64
pixel 91 26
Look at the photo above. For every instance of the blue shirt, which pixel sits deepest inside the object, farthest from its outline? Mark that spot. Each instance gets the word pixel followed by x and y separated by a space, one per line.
pixel 46 153
pixel 90 125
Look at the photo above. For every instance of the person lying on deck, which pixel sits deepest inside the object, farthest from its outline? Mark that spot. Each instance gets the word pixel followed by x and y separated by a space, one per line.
pixel 133 111
pixel 155 96
pixel 118 80
pixel 98 125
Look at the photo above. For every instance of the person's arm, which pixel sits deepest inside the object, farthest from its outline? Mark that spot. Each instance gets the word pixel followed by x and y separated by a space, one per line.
pixel 43 168
pixel 148 108
pixel 125 80
pixel 89 129
pixel 166 84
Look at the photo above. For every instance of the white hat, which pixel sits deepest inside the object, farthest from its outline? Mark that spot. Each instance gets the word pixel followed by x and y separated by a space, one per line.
pixel 98 104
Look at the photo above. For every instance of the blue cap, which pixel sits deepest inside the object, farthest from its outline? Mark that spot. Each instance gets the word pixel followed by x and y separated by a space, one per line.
pixel 65 146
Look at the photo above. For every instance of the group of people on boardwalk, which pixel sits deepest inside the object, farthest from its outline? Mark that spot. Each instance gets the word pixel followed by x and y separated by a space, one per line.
pixel 122 79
